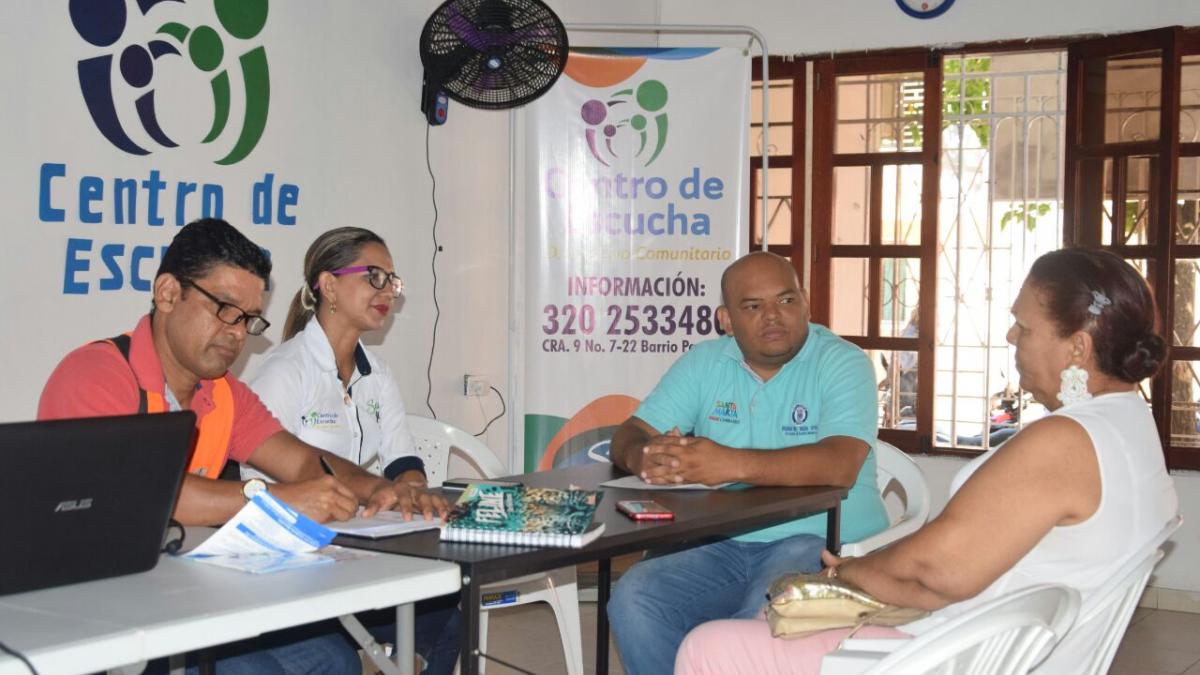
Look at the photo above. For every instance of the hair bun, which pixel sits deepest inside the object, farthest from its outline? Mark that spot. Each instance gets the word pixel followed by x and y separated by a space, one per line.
pixel 1144 358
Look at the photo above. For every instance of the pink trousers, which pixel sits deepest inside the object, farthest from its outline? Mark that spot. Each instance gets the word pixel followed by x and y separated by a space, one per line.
pixel 737 646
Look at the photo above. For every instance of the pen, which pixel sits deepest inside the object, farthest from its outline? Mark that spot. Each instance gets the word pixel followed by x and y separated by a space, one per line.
pixel 325 465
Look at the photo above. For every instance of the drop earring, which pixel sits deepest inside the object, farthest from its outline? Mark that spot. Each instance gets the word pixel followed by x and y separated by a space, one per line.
pixel 1073 387
pixel 333 308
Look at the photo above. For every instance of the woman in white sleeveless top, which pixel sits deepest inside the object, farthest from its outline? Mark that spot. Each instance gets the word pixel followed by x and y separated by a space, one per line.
pixel 1068 500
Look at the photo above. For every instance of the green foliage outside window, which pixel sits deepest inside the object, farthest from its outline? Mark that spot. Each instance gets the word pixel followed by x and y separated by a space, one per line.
pixel 965 98
pixel 1025 213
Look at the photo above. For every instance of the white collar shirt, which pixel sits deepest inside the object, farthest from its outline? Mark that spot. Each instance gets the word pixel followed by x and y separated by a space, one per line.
pixel 364 423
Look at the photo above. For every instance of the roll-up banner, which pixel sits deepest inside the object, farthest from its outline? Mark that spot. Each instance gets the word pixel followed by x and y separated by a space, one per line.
pixel 636 163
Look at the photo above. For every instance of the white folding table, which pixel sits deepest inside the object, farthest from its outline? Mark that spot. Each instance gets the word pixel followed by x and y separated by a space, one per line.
pixel 181 606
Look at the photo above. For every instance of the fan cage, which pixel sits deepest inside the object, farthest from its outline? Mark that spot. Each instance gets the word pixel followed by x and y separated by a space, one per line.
pixel 523 40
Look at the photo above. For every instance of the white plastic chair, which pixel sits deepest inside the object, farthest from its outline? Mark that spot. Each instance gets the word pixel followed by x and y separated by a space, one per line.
pixel 894 466
pixel 1006 636
pixel 434 443
pixel 1114 604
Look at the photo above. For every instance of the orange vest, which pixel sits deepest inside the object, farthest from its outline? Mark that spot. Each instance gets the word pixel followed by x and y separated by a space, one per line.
pixel 216 428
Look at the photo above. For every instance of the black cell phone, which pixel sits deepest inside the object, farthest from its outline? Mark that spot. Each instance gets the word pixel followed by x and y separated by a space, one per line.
pixel 645 509
pixel 462 483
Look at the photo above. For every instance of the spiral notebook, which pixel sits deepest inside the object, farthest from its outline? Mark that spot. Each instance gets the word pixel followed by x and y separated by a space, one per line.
pixel 524 516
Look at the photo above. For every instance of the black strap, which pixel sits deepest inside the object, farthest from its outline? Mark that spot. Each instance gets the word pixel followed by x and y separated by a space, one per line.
pixel 123 343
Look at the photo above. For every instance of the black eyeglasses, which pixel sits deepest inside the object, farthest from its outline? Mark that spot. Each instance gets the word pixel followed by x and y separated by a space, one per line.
pixel 378 277
pixel 232 314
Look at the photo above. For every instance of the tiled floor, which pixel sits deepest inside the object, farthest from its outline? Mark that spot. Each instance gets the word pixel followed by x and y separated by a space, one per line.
pixel 527 636
pixel 1158 642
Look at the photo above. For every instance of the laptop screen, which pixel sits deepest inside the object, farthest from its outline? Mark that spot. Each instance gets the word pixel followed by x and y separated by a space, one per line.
pixel 89 498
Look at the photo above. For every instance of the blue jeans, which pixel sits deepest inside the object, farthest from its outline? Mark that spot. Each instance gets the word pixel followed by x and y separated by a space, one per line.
pixel 660 599
pixel 436 635
pixel 308 650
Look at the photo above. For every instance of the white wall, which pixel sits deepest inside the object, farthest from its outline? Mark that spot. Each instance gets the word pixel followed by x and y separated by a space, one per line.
pixel 813 26
pixel 470 158
pixel 382 185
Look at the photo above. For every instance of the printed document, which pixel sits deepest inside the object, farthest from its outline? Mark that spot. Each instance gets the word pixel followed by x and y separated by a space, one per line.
pixel 265 536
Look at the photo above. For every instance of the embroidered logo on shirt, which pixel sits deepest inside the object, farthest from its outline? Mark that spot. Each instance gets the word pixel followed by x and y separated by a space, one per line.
pixel 799 414
pixel 319 420
pixel 798 426
pixel 724 411
pixel 373 409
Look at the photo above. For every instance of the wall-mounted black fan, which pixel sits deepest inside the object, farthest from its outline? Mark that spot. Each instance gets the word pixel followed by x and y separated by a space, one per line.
pixel 491 54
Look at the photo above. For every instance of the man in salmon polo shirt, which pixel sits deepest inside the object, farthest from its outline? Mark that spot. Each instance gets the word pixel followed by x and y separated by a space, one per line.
pixel 207 297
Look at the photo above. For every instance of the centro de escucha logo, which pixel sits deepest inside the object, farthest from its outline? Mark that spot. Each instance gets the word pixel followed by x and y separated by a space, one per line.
pixel 609 117
pixel 102 23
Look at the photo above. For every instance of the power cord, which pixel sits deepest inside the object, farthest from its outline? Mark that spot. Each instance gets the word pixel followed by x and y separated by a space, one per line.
pixel 503 409
pixel 18 655
pixel 172 546
pixel 437 310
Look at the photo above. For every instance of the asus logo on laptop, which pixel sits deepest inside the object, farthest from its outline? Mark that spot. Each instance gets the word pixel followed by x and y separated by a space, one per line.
pixel 73 505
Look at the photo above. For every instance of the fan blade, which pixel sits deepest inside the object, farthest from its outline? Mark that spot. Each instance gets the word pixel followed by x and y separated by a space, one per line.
pixel 446 65
pixel 466 31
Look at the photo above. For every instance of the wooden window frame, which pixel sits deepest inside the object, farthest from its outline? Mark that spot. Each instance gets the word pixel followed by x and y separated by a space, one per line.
pixel 793 70
pixel 1174 43
pixel 1084 194
pixel 825 160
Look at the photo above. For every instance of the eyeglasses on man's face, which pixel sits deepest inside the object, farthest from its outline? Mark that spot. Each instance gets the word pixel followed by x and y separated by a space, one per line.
pixel 232 314
pixel 378 277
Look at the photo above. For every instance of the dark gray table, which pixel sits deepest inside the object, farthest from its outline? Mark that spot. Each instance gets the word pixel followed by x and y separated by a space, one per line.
pixel 700 516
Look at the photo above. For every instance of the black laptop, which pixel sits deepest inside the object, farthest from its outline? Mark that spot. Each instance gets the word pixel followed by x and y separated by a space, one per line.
pixel 87 498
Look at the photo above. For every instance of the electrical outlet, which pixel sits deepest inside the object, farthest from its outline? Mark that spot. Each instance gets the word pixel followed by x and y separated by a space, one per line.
pixel 475 385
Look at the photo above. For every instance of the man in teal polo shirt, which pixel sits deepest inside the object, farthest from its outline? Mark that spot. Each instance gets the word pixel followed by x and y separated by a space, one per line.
pixel 778 401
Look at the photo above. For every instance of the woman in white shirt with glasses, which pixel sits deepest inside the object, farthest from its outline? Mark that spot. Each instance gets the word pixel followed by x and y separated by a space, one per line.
pixel 328 389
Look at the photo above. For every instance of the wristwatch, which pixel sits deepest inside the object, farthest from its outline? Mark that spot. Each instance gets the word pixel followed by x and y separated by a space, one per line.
pixel 253 487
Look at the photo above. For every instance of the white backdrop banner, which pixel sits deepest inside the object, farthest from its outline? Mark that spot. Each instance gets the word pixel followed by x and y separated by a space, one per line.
pixel 125 120
pixel 636 166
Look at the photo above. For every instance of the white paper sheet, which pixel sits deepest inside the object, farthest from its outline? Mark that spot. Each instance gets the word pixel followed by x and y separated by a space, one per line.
pixel 384 524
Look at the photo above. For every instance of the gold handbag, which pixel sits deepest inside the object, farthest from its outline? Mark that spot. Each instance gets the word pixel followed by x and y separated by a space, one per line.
pixel 803 604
